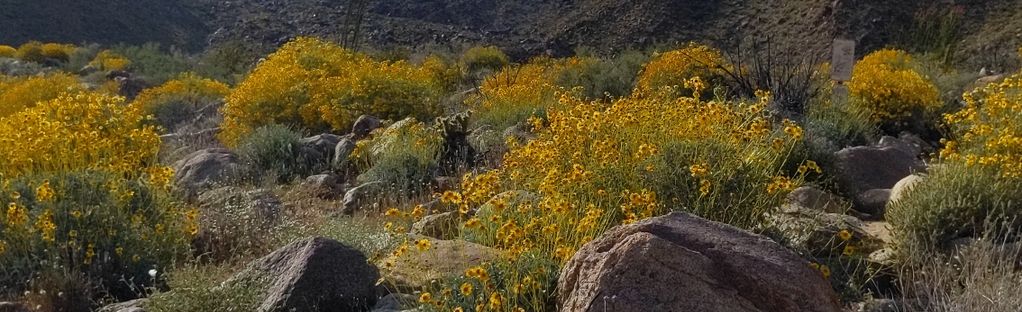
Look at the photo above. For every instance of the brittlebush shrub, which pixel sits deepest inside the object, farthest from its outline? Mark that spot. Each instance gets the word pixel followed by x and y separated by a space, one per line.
pixel 31 51
pixel 673 69
pixel 19 93
pixel 596 165
pixel 181 100
pixel 83 194
pixel 7 51
pixel 57 51
pixel 516 93
pixel 108 60
pixel 322 86
pixel 887 84
pixel 988 131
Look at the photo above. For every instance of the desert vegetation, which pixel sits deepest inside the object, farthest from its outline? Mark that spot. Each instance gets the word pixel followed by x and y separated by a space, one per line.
pixel 474 181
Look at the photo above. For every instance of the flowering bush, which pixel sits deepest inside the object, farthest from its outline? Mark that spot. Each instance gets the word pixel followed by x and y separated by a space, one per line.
pixel 516 93
pixel 108 60
pixel 673 70
pixel 7 51
pixel 886 83
pixel 594 166
pixel 181 99
pixel 17 94
pixel 73 132
pixel 57 51
pixel 31 51
pixel 320 85
pixel 83 194
pixel 988 131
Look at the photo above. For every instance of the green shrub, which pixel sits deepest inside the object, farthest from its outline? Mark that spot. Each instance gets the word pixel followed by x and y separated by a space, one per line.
pixel 277 150
pixel 489 58
pixel 181 100
pixel 955 201
pixel 153 63
pixel 403 156
pixel 981 277
pixel 607 77
pixel 200 288
pixel 109 229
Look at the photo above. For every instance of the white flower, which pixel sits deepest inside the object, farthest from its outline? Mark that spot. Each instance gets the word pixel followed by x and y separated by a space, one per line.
pixel 152 273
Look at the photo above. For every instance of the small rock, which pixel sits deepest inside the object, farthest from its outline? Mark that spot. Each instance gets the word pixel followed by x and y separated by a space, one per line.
pixel 203 169
pixel 359 196
pixel 314 274
pixel 816 199
pixel 442 226
pixel 320 148
pixel 903 186
pixel 873 202
pixel 680 262
pixel 818 233
pixel 364 125
pixel 444 259
pixel 326 185
pixel 884 256
pixel 127 306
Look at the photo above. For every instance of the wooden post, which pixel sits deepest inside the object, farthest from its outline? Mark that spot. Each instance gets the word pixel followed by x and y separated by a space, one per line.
pixel 841 65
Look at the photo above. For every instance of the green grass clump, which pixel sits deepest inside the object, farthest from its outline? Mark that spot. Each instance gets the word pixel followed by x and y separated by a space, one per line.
pixel 403 156
pixel 276 150
pixel 478 59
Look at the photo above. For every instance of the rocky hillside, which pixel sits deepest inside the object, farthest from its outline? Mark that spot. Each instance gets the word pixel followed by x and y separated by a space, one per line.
pixel 524 27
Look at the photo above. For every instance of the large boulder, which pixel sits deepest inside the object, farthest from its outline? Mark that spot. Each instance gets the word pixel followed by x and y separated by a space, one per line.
pixel 863 168
pixel 358 197
pixel 680 262
pixel 320 148
pixel 441 225
pixel 314 274
pixel 413 269
pixel 203 169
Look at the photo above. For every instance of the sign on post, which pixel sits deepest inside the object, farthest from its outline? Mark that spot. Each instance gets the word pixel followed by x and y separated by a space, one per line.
pixel 841 65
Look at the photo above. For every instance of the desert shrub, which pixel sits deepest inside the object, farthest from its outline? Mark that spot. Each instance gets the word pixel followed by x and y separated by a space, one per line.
pixel 794 78
pixel 152 62
pixel 320 86
pixel 480 58
pixel 277 150
pixel 674 69
pixel 200 287
pixel 81 57
pixel 227 62
pixel 605 78
pixel 887 84
pixel 831 126
pixel 954 201
pixel 17 94
pixel 8 51
pixel 403 156
pixel 57 51
pixel 518 92
pixel 594 166
pixel 83 131
pixel 181 100
pixel 108 60
pixel 111 229
pixel 31 51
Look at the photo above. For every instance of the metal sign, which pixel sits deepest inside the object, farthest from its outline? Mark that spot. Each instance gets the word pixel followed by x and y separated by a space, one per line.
pixel 842 60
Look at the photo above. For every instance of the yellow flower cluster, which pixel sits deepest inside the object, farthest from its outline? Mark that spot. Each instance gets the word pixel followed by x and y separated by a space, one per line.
pixel 674 70
pixel 108 60
pixel 19 93
pixel 988 131
pixel 518 92
pixel 188 92
pixel 77 131
pixel 57 51
pixel 322 86
pixel 886 83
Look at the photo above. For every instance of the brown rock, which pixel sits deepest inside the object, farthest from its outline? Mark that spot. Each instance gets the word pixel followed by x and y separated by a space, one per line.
pixel 680 262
